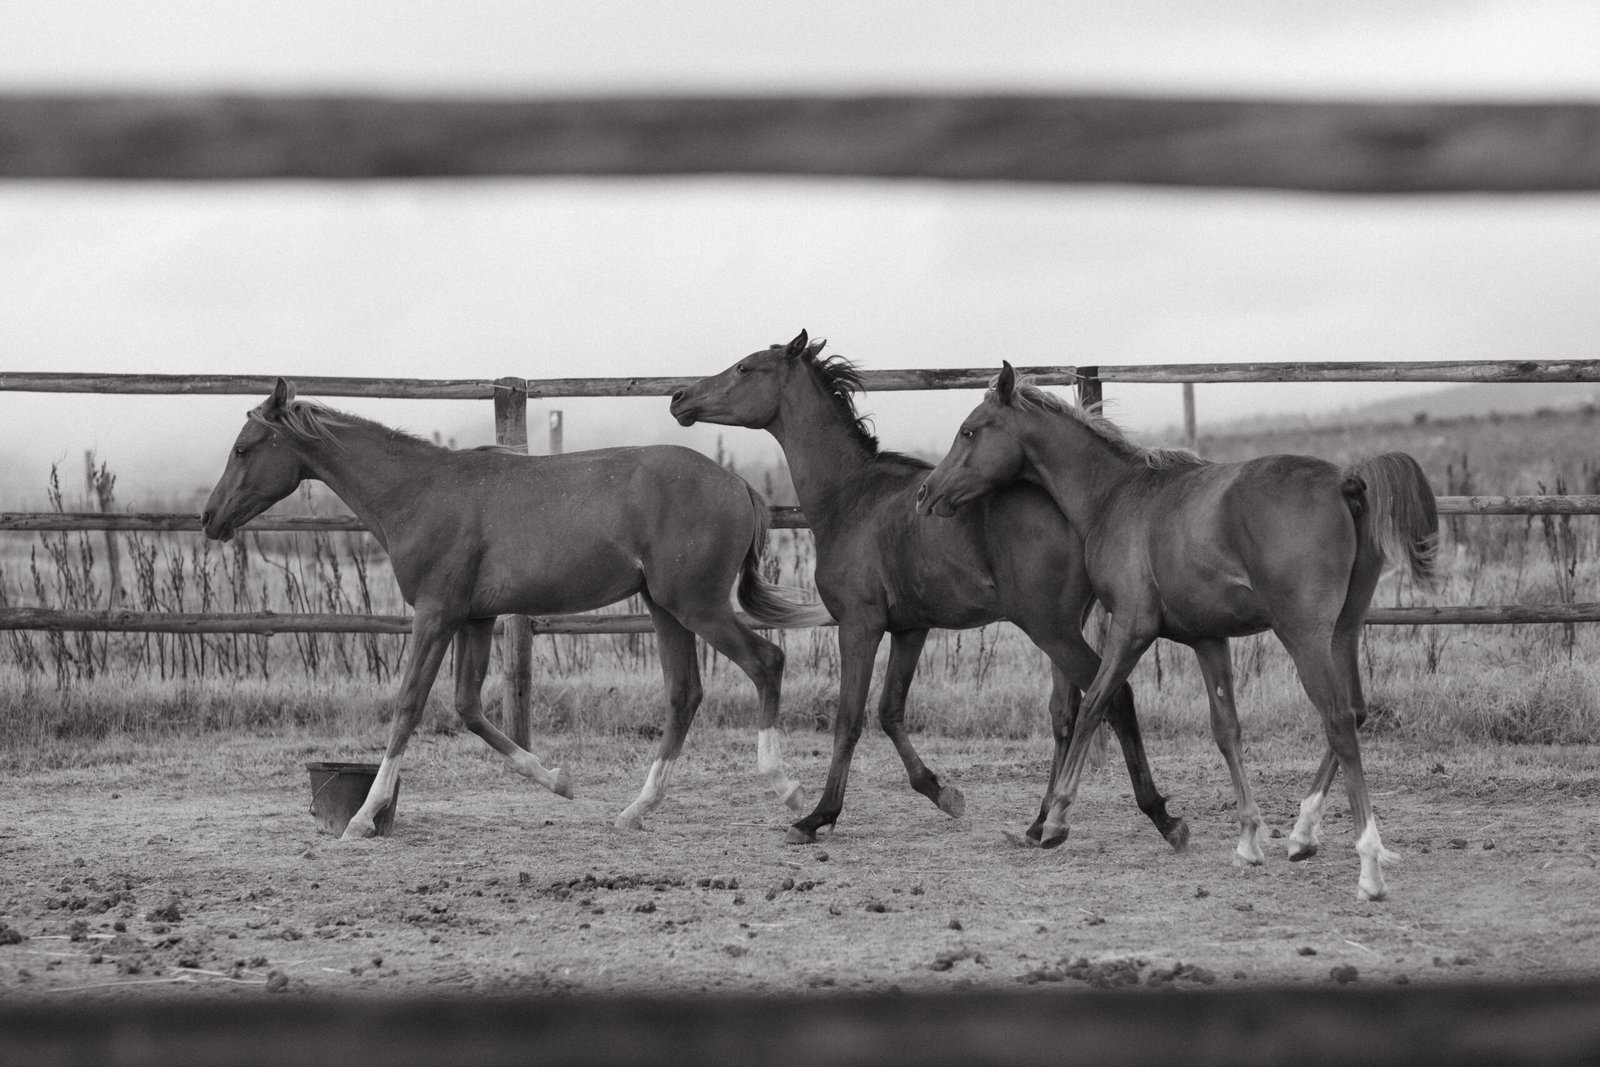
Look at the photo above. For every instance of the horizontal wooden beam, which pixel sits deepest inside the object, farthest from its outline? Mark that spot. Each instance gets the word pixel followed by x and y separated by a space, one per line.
pixel 882 381
pixel 268 622
pixel 1346 147
pixel 784 516
pixel 271 622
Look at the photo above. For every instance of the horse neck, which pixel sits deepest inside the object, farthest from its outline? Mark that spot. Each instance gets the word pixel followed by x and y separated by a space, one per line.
pixel 373 469
pixel 1076 466
pixel 821 445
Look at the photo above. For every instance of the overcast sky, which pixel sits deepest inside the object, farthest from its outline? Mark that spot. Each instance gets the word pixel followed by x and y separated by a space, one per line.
pixel 557 277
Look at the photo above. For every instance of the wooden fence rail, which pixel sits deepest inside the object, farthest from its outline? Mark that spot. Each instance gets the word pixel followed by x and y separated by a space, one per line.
pixel 1329 146
pixel 784 516
pixel 1460 371
pixel 268 623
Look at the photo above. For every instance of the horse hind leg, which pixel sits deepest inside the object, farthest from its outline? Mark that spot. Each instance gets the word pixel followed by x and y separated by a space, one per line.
pixel 1065 699
pixel 473 646
pixel 681 672
pixel 762 662
pixel 1216 668
pixel 905 648
pixel 1325 683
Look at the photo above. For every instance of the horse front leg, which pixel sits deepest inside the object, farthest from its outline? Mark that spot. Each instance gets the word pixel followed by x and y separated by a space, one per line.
pixel 1216 668
pixel 905 648
pixel 858 647
pixel 1124 646
pixel 430 638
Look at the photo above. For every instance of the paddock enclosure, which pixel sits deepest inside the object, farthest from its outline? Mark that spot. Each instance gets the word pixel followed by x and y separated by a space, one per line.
pixel 138 870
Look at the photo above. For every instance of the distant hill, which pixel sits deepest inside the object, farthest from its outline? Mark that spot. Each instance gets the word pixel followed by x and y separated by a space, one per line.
pixel 1454 402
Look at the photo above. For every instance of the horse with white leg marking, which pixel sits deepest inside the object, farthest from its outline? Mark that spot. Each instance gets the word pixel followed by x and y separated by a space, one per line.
pixel 486 532
pixel 881 570
pixel 1198 552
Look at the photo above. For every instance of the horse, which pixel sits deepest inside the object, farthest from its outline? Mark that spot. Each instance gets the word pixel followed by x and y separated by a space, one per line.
pixel 479 533
pixel 1198 552
pixel 880 570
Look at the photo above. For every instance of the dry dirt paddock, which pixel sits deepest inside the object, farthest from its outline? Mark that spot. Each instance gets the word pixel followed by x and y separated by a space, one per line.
pixel 204 854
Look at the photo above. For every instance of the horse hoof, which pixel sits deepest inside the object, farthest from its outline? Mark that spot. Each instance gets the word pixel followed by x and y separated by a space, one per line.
pixel 952 801
pixel 1364 894
pixel 562 787
pixel 799 835
pixel 1301 850
pixel 628 821
pixel 358 829
pixel 1178 836
pixel 1241 860
pixel 1054 838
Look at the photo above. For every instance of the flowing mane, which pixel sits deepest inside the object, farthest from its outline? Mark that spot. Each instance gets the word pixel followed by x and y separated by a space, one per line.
pixel 311 422
pixel 840 379
pixel 1030 396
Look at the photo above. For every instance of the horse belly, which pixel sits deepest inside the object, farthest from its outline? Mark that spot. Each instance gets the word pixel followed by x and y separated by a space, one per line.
pixel 558 578
pixel 1231 611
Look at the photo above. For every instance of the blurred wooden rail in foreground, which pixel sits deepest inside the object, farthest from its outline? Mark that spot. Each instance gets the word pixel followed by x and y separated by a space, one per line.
pixel 1545 1024
pixel 1322 146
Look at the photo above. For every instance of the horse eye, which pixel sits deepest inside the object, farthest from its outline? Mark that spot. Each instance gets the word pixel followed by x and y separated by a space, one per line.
pixel 967 434
pixel 741 368
pixel 239 451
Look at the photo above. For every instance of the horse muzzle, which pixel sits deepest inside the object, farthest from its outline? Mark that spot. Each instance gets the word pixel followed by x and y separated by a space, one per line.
pixel 681 409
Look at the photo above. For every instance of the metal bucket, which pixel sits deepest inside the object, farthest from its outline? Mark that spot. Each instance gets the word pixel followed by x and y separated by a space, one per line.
pixel 339 789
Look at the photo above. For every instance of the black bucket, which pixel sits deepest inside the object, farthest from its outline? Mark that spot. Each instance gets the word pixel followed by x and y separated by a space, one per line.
pixel 339 789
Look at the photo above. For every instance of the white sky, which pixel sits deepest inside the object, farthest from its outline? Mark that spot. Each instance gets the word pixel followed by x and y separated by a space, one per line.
pixel 556 277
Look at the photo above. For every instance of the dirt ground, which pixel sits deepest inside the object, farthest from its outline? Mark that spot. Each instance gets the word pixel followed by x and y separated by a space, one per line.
pixel 204 853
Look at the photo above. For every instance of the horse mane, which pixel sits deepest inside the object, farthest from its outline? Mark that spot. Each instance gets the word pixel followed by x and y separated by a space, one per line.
pixel 841 380
pixel 1029 396
pixel 311 422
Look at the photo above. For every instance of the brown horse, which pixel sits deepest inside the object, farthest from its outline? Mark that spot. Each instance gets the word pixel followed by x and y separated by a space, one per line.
pixel 880 570
pixel 487 532
pixel 1199 552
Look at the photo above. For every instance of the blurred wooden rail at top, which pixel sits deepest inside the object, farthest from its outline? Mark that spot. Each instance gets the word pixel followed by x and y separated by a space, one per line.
pixel 1325 146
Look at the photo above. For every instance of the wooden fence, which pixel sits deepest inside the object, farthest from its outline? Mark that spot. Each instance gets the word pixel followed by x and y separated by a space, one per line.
pixel 510 396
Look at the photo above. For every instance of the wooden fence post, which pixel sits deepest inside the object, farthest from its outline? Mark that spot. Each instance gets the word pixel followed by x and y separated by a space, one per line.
pixel 1191 436
pixel 516 705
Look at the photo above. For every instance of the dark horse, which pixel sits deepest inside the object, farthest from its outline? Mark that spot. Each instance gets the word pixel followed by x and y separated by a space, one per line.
pixel 881 570
pixel 487 532
pixel 1199 552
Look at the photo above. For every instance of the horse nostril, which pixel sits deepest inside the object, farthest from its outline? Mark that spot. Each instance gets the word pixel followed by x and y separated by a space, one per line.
pixel 205 518
pixel 922 492
pixel 677 396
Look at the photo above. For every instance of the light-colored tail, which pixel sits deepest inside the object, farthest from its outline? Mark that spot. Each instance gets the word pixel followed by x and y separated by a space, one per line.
pixel 764 601
pixel 1401 515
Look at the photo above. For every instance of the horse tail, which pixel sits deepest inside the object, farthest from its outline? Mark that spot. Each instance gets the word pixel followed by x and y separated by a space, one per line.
pixel 764 601
pixel 1401 515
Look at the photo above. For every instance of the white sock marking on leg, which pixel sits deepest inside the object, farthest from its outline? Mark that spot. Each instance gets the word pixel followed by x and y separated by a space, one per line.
pixel 769 763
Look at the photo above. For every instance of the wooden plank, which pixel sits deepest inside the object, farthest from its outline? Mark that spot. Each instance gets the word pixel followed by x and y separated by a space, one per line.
pixel 271 622
pixel 310 385
pixel 1326 146
pixel 784 516
pixel 1482 371
pixel 511 431
pixel 881 381
pixel 1551 1024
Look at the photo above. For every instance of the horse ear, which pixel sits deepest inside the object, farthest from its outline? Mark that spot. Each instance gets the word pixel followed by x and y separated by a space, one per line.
pixel 797 346
pixel 1006 384
pixel 282 393
pixel 815 347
